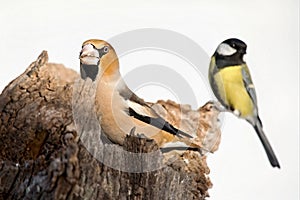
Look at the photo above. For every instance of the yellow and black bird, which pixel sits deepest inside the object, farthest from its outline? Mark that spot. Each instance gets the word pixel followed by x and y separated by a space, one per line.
pixel 231 83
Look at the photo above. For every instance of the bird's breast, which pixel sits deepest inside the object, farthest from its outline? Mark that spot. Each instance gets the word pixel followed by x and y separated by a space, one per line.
pixel 231 86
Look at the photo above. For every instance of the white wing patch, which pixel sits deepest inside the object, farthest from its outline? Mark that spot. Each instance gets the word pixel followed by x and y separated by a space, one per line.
pixel 225 50
pixel 140 109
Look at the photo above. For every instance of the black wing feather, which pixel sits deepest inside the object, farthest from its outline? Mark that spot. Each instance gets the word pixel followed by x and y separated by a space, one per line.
pixel 159 123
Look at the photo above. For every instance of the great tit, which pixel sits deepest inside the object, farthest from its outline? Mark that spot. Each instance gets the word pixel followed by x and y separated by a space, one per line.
pixel 231 83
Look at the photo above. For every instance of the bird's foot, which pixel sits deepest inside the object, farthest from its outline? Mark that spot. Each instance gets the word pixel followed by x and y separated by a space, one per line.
pixel 218 106
pixel 132 131
pixel 139 135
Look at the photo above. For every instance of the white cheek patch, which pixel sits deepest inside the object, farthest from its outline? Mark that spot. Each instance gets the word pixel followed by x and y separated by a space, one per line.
pixel 226 50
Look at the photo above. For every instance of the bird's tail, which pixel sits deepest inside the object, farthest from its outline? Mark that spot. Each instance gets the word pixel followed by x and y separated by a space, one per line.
pixel 264 140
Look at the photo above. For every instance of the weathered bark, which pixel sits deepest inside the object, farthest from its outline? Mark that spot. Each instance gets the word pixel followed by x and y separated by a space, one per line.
pixel 44 156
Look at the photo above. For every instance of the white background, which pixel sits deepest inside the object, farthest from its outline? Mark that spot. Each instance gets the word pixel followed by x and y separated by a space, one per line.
pixel 240 169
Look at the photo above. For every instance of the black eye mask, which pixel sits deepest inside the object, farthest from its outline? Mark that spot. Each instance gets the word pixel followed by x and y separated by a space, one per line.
pixel 104 50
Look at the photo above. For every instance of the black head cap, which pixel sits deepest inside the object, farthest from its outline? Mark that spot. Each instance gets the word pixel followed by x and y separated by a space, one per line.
pixel 237 44
pixel 230 52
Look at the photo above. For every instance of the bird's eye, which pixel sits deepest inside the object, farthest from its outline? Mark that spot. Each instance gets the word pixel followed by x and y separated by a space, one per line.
pixel 105 49
pixel 233 45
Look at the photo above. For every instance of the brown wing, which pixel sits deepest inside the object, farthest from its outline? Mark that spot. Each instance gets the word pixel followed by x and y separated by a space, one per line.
pixel 140 110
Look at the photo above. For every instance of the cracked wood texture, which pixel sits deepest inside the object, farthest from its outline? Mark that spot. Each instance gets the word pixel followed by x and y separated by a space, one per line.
pixel 42 155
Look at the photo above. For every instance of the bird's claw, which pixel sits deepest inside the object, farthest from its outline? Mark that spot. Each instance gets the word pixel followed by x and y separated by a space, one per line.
pixel 132 131
pixel 218 106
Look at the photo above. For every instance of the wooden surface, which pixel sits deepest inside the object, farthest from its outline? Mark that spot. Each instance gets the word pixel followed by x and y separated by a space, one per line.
pixel 44 155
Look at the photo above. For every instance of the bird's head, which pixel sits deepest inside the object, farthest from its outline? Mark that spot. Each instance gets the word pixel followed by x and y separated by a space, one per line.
pixel 232 47
pixel 97 56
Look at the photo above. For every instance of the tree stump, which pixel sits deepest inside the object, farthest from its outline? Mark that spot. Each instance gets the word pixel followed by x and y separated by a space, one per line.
pixel 43 155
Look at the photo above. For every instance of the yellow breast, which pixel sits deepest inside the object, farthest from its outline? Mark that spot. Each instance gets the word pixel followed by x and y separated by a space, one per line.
pixel 231 88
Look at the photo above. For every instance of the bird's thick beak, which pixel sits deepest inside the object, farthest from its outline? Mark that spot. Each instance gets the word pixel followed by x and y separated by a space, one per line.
pixel 89 59
pixel 89 55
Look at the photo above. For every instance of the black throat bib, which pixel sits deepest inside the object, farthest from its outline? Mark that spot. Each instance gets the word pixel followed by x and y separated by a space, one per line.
pixel 89 71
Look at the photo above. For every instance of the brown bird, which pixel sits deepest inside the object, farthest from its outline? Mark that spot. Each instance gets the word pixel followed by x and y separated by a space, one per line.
pixel 117 107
